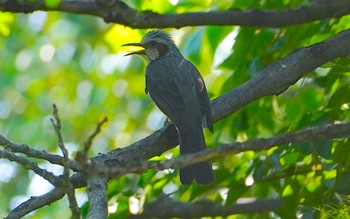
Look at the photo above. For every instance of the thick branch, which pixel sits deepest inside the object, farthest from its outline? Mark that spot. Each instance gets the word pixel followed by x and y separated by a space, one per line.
pixel 166 207
pixel 312 134
pixel 118 12
pixel 97 193
pixel 275 78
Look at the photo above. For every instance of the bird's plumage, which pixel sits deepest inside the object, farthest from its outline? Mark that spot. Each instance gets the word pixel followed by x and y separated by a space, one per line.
pixel 178 89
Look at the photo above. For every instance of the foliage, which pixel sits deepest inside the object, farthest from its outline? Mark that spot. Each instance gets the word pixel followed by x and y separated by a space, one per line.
pixel 77 62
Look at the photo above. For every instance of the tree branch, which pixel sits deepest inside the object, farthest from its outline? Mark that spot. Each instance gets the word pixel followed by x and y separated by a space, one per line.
pixel 165 207
pixel 78 180
pixel 316 133
pixel 54 180
pixel 97 194
pixel 118 12
pixel 56 122
pixel 81 156
pixel 35 203
pixel 39 154
pixel 275 78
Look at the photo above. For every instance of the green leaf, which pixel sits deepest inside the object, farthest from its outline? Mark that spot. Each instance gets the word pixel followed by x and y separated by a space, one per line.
pixel 323 148
pixel 52 3
pixel 236 191
pixel 193 44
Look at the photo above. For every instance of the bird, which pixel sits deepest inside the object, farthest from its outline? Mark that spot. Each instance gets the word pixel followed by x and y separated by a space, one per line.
pixel 179 91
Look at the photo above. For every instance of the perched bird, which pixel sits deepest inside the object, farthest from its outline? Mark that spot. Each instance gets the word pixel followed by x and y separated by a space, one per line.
pixel 178 89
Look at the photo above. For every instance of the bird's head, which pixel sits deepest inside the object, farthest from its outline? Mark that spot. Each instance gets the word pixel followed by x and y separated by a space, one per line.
pixel 155 44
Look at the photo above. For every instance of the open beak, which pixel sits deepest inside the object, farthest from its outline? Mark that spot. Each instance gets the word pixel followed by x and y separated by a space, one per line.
pixel 141 52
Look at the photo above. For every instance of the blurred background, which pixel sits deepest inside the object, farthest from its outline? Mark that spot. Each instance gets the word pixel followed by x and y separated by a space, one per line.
pixel 77 63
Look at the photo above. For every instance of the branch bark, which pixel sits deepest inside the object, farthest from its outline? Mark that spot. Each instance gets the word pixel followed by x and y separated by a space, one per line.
pixel 118 12
pixel 50 177
pixel 35 203
pixel 165 207
pixel 39 154
pixel 73 205
pixel 97 194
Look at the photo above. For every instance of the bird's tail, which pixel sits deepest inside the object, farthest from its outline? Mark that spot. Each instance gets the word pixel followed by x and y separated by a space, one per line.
pixel 202 172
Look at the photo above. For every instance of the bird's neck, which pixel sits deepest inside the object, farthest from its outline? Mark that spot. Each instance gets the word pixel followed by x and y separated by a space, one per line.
pixel 159 50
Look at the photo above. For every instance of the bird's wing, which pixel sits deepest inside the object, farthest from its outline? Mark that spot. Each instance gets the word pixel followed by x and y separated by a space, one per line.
pixel 202 94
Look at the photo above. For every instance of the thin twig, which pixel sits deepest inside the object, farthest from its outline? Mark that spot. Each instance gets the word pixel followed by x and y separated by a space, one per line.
pixel 39 154
pixel 56 122
pixel 81 156
pixel 52 178
pixel 69 188
pixel 88 142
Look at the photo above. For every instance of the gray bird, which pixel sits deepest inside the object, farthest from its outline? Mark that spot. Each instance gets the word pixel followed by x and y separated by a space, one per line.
pixel 178 89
